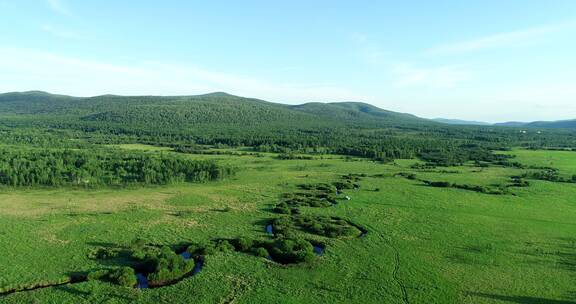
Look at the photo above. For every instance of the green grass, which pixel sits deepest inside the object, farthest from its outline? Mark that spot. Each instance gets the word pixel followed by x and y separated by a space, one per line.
pixel 431 245
pixel 141 147
pixel 563 160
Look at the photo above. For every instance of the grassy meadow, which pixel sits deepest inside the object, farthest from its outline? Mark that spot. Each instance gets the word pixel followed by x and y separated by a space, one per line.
pixel 424 244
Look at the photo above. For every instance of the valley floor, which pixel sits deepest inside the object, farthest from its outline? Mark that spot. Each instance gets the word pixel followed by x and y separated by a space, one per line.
pixel 424 244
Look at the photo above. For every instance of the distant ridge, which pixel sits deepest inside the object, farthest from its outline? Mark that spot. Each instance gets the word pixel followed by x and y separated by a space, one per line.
pixel 564 124
pixel 559 124
pixel 226 109
pixel 356 112
pixel 212 108
pixel 511 124
pixel 461 122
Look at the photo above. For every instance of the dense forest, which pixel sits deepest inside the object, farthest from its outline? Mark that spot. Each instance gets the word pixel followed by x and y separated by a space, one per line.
pixel 189 123
pixel 92 168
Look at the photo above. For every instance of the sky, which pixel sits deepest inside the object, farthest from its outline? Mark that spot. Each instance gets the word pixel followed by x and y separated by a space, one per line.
pixel 488 60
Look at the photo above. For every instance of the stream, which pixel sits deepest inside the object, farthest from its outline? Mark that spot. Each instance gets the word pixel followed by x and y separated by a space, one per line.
pixel 269 229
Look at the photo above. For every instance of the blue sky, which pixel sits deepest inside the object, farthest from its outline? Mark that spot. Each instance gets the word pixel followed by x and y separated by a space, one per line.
pixel 482 60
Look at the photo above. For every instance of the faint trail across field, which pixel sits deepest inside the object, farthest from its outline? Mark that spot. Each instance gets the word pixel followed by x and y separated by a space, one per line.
pixel 395 274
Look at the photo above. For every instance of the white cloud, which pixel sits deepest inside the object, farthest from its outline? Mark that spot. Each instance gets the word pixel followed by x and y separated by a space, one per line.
pixel 408 75
pixel 525 102
pixel 546 101
pixel 31 70
pixel 59 6
pixel 368 51
pixel 62 33
pixel 506 39
pixel 440 77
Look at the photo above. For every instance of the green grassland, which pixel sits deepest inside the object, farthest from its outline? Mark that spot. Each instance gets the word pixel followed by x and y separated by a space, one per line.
pixel 424 244
pixel 140 147
pixel 563 160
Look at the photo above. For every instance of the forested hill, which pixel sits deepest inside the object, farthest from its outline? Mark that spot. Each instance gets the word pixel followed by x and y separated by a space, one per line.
pixel 558 124
pixel 214 108
pixel 359 113
pixel 190 122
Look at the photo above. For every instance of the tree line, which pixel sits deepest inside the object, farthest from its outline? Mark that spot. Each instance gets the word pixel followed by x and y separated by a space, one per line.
pixel 188 122
pixel 101 167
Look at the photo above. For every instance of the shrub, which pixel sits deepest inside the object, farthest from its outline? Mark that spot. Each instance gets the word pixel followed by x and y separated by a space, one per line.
pixel 288 251
pixel 168 266
pixel 97 275
pixel 283 226
pixel 343 185
pixel 551 175
pixel 517 181
pixel 353 177
pixel 423 166
pixel 318 187
pixel 123 276
pixel 439 184
pixel 406 175
pixel 475 188
pixel 243 244
pixel 139 254
pixel 282 208
pixel 204 248
pixel 326 226
pixel 224 246
pixel 138 244
pixel 105 253
pixel 261 252
pixel 287 156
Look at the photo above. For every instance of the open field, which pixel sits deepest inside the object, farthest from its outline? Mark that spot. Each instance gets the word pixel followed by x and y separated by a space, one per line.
pixel 288 152
pixel 424 244
pixel 141 147
pixel 563 160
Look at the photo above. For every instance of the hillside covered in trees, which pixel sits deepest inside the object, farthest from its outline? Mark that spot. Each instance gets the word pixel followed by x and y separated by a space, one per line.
pixel 347 128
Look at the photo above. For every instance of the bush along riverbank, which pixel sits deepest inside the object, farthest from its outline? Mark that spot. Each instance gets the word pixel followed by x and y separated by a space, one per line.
pixel 144 265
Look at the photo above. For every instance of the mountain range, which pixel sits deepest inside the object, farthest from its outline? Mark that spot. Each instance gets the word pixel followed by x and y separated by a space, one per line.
pixel 559 124
pixel 224 109
pixel 214 108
